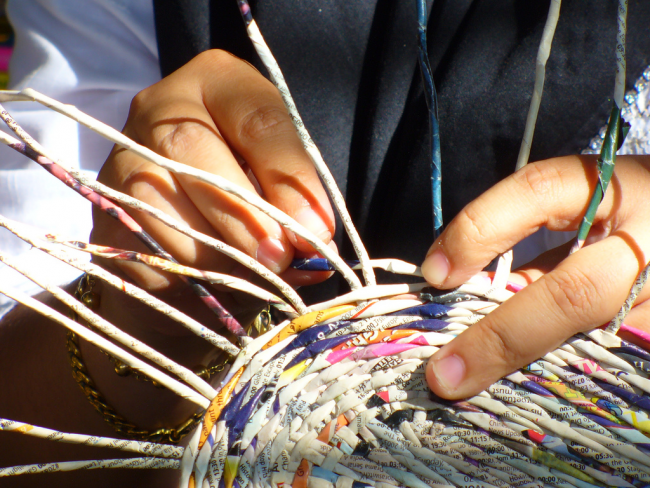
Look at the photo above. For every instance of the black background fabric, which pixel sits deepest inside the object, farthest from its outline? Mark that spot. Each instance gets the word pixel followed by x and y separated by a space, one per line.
pixel 351 67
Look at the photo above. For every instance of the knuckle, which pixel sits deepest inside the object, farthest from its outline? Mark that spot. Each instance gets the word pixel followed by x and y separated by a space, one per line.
pixel 263 122
pixel 139 103
pixel 174 141
pixel 215 57
pixel 573 292
pixel 500 346
pixel 538 180
pixel 474 227
pixel 291 176
pixel 219 63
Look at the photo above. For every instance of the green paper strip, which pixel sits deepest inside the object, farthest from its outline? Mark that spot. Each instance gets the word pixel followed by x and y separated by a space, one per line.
pixel 605 170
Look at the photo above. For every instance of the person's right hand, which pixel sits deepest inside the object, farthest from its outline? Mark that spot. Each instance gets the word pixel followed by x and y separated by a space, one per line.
pixel 218 114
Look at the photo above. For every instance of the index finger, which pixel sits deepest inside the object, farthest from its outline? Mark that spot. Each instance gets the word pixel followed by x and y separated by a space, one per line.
pixel 255 123
pixel 553 193
pixel 575 297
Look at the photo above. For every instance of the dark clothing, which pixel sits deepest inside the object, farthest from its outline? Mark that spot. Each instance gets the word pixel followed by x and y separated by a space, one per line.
pixel 351 67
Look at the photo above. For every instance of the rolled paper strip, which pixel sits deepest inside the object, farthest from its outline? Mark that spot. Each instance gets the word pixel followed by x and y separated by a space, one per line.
pixel 384 307
pixel 432 325
pixel 637 286
pixel 396 266
pixel 505 454
pixel 625 431
pixel 31 237
pixel 616 132
pixel 638 419
pixel 216 406
pixel 208 241
pixel 107 252
pixel 626 450
pixel 263 364
pixel 374 337
pixel 313 264
pixel 372 325
pixel 540 73
pixel 310 147
pixel 502 410
pixel 575 476
pixel 619 86
pixel 30 148
pixel 478 306
pixel 599 353
pixel 592 369
pixel 318 347
pixel 428 310
pixel 508 473
pixel 301 323
pixel 641 401
pixel 370 293
pixel 98 323
pixel 616 344
pixel 636 381
pixel 506 394
pixel 243 416
pixel 223 184
pixel 445 298
pixel 313 334
pixel 432 106
pixel 147 448
pixel 635 336
pixel 484 289
pixel 175 386
pixel 131 463
pixel 638 363
pixel 605 170
pixel 565 411
pixel 558 389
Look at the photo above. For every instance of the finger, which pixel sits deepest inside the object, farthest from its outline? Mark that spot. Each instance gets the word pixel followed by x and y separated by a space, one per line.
pixel 639 316
pixel 584 291
pixel 255 123
pixel 193 139
pixel 553 193
pixel 542 264
pixel 236 109
pixel 129 174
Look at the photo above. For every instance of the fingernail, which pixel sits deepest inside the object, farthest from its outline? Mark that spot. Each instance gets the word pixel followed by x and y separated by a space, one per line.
pixel 270 253
pixel 313 223
pixel 436 267
pixel 449 371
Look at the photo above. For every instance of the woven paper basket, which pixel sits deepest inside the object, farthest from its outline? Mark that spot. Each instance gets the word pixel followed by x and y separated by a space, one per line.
pixel 335 396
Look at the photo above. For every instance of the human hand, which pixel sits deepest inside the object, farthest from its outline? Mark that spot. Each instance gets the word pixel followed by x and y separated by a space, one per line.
pixel 567 295
pixel 217 113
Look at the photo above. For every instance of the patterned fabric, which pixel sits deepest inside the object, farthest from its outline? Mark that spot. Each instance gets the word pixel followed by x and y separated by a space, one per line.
pixel 637 112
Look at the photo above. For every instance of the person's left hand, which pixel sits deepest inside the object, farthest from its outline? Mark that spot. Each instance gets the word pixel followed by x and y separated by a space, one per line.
pixel 567 295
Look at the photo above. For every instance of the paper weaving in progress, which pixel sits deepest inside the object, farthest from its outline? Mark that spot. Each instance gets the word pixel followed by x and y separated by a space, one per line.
pixel 334 394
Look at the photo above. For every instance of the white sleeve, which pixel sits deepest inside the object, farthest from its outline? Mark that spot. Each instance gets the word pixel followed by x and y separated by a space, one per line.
pixel 96 55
